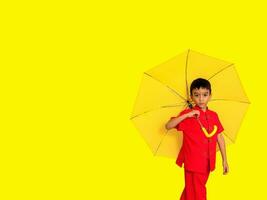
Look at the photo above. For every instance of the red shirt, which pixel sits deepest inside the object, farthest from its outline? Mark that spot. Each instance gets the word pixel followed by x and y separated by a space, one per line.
pixel 198 153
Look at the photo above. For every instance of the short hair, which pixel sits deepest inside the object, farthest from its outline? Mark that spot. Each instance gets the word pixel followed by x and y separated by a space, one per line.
pixel 200 83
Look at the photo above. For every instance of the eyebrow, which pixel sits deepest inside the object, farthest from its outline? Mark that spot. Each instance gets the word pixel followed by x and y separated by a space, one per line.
pixel 199 93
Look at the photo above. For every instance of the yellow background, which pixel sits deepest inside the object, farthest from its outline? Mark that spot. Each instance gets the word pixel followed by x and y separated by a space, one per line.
pixel 70 73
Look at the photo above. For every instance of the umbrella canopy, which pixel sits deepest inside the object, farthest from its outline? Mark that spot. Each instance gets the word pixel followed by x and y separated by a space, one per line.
pixel 165 92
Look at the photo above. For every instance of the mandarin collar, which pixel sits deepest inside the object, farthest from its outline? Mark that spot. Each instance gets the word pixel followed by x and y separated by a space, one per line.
pixel 198 108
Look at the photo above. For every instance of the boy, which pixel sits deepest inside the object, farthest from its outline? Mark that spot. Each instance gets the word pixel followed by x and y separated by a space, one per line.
pixel 201 129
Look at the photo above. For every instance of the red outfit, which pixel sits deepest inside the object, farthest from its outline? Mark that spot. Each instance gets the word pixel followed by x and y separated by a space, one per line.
pixel 198 153
pixel 195 188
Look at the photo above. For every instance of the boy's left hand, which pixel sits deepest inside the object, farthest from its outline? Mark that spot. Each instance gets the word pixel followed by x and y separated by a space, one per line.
pixel 225 168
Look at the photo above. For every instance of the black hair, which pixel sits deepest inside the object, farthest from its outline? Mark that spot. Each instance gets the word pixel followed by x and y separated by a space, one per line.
pixel 200 83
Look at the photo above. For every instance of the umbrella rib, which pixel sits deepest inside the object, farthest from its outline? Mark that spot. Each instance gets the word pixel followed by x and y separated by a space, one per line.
pixel 206 55
pixel 221 70
pixel 174 91
pixel 167 106
pixel 186 81
pixel 228 137
pixel 234 101
pixel 160 142
pixel 247 102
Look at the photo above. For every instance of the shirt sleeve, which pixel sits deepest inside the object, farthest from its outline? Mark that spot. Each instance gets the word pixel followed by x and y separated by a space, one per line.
pixel 219 125
pixel 182 125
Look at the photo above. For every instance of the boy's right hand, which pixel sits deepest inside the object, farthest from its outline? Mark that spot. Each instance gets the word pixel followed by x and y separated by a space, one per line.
pixel 194 113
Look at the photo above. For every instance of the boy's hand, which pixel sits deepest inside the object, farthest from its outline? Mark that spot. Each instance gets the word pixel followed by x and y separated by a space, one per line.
pixel 225 168
pixel 194 113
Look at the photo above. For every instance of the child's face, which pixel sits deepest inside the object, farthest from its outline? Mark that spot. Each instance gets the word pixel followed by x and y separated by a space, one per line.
pixel 201 97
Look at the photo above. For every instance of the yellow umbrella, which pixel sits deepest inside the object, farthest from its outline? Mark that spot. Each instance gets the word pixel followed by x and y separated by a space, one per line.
pixel 164 92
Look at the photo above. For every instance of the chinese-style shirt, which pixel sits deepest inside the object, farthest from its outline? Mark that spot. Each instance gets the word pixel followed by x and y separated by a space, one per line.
pixel 198 153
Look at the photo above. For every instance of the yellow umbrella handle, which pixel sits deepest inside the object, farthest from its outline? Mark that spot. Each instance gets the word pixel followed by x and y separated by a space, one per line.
pixel 208 135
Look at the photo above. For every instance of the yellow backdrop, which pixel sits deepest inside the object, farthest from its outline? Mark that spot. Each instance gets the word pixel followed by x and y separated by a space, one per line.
pixel 70 73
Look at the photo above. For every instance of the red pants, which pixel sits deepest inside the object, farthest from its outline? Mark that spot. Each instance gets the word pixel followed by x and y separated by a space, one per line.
pixel 195 186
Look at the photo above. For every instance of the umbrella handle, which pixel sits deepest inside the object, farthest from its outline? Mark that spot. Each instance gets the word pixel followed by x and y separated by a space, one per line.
pixel 209 135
